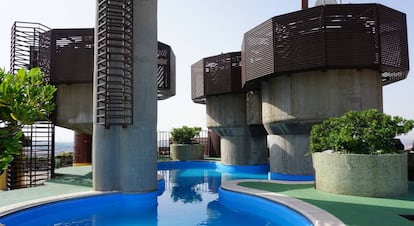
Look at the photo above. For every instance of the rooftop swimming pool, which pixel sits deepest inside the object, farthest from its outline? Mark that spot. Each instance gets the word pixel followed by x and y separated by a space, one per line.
pixel 190 194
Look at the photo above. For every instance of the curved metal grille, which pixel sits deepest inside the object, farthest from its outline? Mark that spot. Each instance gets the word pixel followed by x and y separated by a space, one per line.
pixel 114 62
pixel 29 44
pixel 330 36
pixel 215 75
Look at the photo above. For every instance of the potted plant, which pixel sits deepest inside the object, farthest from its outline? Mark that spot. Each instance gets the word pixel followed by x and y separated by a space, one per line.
pixel 185 146
pixel 357 154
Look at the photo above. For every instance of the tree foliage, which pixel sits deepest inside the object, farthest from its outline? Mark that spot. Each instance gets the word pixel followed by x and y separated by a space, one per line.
pixel 363 132
pixel 185 134
pixel 24 99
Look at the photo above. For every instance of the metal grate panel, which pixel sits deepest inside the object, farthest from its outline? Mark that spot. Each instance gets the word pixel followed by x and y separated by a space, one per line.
pixel 165 71
pixel 216 75
pixel 197 82
pixel 35 165
pixel 259 52
pixel 26 43
pixel 30 45
pixel 351 36
pixel 114 62
pixel 393 41
pixel 72 55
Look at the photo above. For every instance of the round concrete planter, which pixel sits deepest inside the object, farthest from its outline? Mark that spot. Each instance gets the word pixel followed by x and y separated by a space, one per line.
pixel 186 151
pixel 361 175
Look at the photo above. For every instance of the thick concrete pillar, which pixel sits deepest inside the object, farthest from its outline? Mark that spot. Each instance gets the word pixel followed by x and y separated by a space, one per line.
pixel 293 103
pixel 124 158
pixel 226 115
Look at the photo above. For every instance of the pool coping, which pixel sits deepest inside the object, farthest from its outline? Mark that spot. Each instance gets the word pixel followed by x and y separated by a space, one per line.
pixel 316 215
pixel 13 208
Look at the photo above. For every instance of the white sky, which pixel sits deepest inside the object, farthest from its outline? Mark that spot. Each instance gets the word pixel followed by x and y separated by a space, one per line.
pixel 194 29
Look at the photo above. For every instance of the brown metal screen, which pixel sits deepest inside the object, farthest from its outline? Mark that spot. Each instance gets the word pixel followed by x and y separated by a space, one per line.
pixel 165 71
pixel 330 36
pixel 393 41
pixel 35 165
pixel 258 51
pixel 197 82
pixel 114 62
pixel 27 45
pixel 30 43
pixel 216 75
pixel 71 55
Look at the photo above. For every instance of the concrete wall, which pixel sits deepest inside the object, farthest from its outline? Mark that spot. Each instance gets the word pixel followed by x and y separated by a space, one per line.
pixel 227 116
pixel 74 107
pixel 292 103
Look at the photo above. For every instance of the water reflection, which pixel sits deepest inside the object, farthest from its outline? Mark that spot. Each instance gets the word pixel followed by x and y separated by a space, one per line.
pixel 187 185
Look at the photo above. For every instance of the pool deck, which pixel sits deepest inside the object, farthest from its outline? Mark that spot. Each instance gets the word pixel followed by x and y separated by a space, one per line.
pixel 352 210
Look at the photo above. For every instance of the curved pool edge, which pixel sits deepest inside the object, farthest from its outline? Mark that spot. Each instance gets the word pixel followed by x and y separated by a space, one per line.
pixel 315 215
pixel 13 208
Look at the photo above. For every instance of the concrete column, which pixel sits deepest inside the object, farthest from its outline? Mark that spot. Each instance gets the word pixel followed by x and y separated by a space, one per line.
pixel 138 143
pixel 293 103
pixel 125 159
pixel 226 115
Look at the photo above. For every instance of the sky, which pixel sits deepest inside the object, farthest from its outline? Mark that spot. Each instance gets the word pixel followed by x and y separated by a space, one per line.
pixel 195 29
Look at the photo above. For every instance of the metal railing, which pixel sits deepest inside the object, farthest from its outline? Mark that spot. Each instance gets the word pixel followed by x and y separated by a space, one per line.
pixel 164 142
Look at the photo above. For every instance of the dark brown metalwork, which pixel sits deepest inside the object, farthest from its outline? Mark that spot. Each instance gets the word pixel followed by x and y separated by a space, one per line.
pixel 165 71
pixel 29 44
pixel 35 165
pixel 328 37
pixel 305 4
pixel 216 75
pixel 71 58
pixel 197 82
pixel 114 63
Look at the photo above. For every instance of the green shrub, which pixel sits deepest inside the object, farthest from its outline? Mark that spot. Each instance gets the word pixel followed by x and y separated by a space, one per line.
pixel 362 132
pixel 185 134
pixel 24 99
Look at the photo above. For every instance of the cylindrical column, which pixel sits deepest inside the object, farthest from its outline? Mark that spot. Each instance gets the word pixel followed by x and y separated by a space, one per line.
pixel 138 142
pixel 82 153
pixel 124 157
pixel 226 115
pixel 293 103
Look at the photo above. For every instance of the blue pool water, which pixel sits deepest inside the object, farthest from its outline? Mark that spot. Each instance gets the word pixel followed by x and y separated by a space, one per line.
pixel 187 196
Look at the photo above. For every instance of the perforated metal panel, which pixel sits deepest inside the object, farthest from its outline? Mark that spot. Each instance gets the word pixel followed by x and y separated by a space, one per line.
pixel 330 36
pixel 393 41
pixel 26 43
pixel 114 62
pixel 216 75
pixel 72 55
pixel 165 71
pixel 258 51
pixel 298 40
pixel 351 36
pixel 197 82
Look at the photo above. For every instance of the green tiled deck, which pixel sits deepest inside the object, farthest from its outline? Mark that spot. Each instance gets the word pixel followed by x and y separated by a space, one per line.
pixel 352 210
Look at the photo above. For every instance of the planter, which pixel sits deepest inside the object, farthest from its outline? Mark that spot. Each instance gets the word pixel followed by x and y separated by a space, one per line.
pixel 3 180
pixel 186 151
pixel 362 175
